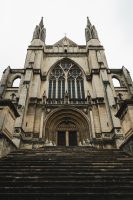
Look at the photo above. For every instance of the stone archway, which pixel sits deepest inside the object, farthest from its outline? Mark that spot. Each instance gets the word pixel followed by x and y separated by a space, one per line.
pixel 67 127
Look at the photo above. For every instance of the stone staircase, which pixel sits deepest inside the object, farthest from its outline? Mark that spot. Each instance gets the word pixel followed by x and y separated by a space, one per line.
pixel 66 173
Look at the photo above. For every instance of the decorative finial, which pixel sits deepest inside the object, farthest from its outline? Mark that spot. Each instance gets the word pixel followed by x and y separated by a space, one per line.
pixel 41 23
pixel 88 22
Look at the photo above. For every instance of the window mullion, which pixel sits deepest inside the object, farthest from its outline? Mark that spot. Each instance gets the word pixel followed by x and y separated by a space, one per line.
pixel 75 83
pixel 51 89
pixel 56 94
pixel 82 89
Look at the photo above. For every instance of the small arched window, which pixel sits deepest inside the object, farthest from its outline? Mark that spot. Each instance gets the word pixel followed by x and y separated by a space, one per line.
pixel 16 82
pixel 116 82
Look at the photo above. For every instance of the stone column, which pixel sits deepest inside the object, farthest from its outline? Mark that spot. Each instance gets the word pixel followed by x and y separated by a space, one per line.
pixel 41 124
pixel 67 138
pixel 92 124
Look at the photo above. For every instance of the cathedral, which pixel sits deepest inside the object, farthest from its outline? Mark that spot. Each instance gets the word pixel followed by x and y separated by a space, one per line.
pixel 66 95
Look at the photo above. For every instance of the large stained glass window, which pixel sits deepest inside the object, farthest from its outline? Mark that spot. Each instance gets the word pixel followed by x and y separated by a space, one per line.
pixel 66 76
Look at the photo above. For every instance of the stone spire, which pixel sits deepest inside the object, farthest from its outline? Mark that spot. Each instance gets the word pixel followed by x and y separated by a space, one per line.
pixel 41 23
pixel 90 31
pixel 40 31
pixel 88 22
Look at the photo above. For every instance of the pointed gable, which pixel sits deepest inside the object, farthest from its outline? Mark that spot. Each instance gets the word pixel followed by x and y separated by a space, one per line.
pixel 65 42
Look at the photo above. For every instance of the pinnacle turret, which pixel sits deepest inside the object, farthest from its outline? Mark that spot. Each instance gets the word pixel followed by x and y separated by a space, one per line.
pixel 40 31
pixel 90 31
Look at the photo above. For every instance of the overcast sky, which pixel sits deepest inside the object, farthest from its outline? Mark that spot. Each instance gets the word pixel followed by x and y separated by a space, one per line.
pixel 113 20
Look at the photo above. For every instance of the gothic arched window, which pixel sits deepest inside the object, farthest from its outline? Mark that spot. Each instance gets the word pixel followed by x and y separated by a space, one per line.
pixel 66 76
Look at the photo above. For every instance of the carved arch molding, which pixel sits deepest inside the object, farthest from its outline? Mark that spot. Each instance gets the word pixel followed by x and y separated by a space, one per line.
pixel 67 120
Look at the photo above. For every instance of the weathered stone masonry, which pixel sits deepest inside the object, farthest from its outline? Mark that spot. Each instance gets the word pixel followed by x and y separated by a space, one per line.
pixel 67 96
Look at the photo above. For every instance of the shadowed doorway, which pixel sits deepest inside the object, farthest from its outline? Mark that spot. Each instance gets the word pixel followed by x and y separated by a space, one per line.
pixel 72 138
pixel 61 138
pixel 67 138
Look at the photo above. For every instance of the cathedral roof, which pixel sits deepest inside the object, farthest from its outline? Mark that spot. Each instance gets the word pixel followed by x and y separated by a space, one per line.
pixel 65 41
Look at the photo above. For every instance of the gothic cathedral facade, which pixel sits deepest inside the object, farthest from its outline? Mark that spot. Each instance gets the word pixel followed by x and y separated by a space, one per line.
pixel 66 97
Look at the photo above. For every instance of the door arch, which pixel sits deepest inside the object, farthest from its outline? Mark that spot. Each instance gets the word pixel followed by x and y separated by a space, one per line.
pixel 68 120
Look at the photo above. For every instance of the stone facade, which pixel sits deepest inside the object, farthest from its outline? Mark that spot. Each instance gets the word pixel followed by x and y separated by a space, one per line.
pixel 8 115
pixel 66 95
pixel 125 114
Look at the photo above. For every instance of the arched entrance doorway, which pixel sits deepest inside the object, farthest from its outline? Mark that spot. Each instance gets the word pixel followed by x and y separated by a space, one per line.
pixel 67 133
pixel 67 127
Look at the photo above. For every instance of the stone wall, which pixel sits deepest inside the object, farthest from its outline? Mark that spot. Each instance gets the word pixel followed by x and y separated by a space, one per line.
pixel 8 115
pixel 101 100
pixel 6 146
pixel 125 114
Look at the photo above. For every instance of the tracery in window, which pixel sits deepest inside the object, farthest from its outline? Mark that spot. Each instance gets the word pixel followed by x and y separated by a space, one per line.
pixel 66 76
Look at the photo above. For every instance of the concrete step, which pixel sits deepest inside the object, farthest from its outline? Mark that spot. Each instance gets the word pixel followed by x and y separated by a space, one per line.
pixel 64 189
pixel 66 173
pixel 66 196
pixel 67 183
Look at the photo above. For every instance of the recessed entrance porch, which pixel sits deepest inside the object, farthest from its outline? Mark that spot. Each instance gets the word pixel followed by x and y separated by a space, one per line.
pixel 67 127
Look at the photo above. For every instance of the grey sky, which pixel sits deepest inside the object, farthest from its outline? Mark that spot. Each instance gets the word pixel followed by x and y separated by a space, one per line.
pixel 113 20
